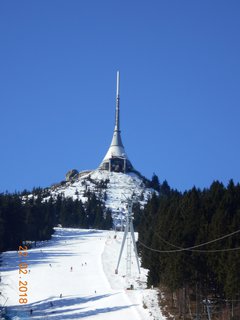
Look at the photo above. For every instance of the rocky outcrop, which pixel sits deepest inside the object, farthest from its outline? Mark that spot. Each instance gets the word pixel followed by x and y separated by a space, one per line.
pixel 71 175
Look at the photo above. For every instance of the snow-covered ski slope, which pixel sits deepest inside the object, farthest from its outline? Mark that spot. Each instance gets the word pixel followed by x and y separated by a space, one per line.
pixel 80 266
pixel 112 187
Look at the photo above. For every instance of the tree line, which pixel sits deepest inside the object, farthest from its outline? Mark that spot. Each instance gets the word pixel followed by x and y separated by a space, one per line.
pixel 173 220
pixel 32 218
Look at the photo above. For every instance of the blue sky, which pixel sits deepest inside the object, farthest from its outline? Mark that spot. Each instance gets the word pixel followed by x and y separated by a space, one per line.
pixel 180 88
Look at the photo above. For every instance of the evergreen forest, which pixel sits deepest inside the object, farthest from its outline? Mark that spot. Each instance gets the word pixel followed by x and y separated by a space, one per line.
pixel 190 242
pixel 24 218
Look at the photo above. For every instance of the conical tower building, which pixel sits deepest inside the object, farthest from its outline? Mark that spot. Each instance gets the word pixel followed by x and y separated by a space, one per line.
pixel 116 158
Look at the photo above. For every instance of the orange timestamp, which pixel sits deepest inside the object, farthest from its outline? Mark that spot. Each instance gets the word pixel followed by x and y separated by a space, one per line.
pixel 23 271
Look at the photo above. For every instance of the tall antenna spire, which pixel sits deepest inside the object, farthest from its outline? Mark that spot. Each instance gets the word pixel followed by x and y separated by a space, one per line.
pixel 116 158
pixel 117 120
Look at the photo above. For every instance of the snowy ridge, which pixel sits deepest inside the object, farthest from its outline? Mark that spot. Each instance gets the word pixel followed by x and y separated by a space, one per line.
pixel 111 187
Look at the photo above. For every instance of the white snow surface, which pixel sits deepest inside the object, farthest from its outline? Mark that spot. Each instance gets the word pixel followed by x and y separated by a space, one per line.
pixel 91 290
pixel 119 187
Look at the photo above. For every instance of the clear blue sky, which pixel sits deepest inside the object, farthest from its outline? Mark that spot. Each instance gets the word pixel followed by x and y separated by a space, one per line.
pixel 180 88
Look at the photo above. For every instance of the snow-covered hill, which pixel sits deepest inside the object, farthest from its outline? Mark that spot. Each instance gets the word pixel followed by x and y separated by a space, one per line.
pixel 72 277
pixel 111 187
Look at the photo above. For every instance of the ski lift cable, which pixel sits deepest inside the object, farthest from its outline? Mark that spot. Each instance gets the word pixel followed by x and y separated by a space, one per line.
pixel 187 249
pixel 196 246
pixel 201 250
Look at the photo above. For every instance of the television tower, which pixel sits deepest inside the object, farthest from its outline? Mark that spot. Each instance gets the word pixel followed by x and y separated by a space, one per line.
pixel 116 158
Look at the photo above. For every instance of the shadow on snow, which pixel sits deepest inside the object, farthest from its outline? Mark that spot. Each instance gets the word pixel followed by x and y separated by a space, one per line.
pixel 65 308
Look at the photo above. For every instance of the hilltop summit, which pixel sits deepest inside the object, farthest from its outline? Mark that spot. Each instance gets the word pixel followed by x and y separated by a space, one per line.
pixel 111 187
pixel 113 182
